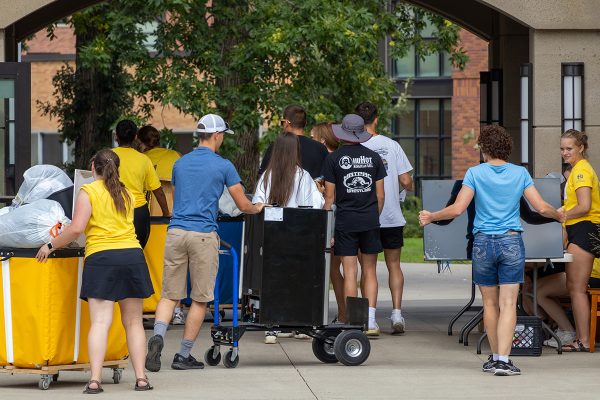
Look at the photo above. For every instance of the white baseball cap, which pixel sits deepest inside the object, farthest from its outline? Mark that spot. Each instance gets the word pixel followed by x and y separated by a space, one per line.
pixel 211 123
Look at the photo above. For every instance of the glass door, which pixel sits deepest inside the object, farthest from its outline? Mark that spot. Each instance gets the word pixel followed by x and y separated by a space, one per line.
pixel 15 125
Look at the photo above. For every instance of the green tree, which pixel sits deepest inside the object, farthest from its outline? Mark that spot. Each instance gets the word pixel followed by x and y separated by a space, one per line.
pixel 247 59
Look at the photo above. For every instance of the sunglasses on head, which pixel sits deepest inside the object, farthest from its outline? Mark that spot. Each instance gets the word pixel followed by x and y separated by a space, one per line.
pixel 284 121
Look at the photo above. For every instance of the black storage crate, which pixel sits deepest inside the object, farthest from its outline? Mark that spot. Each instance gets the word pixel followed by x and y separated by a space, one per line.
pixel 528 337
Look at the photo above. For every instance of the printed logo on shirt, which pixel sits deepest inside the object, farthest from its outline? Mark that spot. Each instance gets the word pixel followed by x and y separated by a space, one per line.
pixel 383 152
pixel 579 177
pixel 358 182
pixel 346 162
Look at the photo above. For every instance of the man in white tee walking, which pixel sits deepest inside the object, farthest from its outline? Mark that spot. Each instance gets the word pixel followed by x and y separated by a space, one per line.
pixel 391 219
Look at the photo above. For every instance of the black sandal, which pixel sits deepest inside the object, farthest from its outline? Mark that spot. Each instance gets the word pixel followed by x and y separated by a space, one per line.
pixel 575 347
pixel 143 388
pixel 96 390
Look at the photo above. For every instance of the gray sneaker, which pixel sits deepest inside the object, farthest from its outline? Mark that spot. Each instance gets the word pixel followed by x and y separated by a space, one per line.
pixel 155 346
pixel 506 369
pixel 489 365
pixel 181 363
pixel 178 318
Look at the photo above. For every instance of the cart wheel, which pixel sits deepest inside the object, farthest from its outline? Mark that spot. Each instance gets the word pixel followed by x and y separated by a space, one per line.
pixel 55 377
pixel 228 362
pixel 324 351
pixel 209 357
pixel 44 383
pixel 352 347
pixel 117 375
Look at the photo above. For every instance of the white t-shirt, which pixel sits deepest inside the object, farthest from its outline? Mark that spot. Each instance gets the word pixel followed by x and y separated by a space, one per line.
pixel 396 163
pixel 305 191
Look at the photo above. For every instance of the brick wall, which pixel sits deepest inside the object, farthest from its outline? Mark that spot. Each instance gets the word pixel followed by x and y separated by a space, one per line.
pixel 465 103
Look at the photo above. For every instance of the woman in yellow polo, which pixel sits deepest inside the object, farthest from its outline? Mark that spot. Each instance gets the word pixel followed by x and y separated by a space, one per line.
pixel 139 176
pixel 114 270
pixel 582 206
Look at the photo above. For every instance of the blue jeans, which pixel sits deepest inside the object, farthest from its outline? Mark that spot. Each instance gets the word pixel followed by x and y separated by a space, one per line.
pixel 498 259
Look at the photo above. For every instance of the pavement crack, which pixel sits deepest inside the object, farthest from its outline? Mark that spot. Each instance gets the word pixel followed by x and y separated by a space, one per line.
pixel 298 371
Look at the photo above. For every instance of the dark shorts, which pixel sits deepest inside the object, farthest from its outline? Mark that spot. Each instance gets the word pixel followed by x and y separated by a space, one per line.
pixel 116 275
pixel 392 238
pixel 141 223
pixel 348 243
pixel 594 283
pixel 498 259
pixel 586 235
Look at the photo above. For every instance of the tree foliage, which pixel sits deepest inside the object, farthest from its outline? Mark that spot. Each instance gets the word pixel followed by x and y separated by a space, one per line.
pixel 248 59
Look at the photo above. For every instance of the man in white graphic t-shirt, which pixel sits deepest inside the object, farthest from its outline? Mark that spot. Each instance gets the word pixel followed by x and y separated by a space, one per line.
pixel 391 219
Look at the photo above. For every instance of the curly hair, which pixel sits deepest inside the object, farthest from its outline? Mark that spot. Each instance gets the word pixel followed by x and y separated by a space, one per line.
pixel 495 142
pixel 581 139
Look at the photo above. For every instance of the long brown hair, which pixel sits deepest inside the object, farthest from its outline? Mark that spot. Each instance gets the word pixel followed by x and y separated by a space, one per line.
pixel 285 159
pixel 106 164
pixel 323 133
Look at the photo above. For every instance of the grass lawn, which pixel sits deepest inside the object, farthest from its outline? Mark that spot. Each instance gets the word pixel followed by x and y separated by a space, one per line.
pixel 412 252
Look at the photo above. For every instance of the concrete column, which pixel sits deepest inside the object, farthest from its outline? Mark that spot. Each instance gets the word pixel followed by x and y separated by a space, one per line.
pixel 550 48
pixel 2 45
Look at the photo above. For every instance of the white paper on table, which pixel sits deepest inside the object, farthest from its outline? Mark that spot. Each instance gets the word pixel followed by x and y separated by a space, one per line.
pixel 273 214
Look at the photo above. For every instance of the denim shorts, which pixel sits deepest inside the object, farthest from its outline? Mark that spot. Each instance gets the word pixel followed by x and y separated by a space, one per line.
pixel 498 259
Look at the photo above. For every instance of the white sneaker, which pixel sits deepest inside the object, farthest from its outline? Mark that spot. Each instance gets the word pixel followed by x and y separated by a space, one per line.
pixel 178 318
pixel 270 338
pixel 285 334
pixel 373 329
pixel 398 324
pixel 564 336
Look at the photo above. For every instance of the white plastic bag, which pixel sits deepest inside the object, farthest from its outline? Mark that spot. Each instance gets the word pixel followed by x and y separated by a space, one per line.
pixel 39 182
pixel 227 205
pixel 32 225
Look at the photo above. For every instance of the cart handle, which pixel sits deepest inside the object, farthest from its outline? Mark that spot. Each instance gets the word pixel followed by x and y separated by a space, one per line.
pixel 225 245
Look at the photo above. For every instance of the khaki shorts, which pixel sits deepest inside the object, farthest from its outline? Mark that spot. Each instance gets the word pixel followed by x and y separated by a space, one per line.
pixel 194 250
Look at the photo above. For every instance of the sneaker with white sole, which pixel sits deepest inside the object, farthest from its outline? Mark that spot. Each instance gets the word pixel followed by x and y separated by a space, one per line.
pixel 398 324
pixel 270 337
pixel 285 334
pixel 489 365
pixel 373 329
pixel 301 336
pixel 506 368
pixel 178 318
pixel 564 336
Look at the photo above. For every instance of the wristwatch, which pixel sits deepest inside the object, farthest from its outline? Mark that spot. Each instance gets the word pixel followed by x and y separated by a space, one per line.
pixel 49 244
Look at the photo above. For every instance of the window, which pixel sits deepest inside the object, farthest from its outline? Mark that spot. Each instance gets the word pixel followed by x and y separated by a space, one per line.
pixel 433 65
pixel 425 133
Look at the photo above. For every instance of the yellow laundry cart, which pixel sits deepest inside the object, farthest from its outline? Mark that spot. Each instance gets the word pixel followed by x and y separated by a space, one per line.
pixel 154 253
pixel 43 323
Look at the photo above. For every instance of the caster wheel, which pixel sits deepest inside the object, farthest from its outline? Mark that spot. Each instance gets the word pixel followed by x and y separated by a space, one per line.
pixel 44 383
pixel 324 351
pixel 117 375
pixel 55 377
pixel 210 358
pixel 352 347
pixel 228 362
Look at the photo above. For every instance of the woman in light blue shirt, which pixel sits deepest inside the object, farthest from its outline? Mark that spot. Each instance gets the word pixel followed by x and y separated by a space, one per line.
pixel 498 250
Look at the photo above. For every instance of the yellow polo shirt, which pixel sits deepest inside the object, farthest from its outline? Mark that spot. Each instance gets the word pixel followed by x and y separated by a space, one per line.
pixel 583 175
pixel 163 161
pixel 137 174
pixel 107 229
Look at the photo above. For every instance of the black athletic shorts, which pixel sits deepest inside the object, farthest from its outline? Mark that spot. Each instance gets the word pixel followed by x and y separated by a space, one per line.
pixel 392 238
pixel 594 283
pixel 348 243
pixel 586 235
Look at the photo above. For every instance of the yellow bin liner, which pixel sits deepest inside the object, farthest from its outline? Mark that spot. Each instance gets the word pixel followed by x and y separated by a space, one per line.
pixel 42 320
pixel 155 253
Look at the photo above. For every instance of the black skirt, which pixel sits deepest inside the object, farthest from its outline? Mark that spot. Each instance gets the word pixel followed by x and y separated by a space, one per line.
pixel 116 275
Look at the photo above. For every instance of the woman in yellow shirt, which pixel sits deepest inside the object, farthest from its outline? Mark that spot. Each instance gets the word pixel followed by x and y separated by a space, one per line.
pixel 162 159
pixel 114 270
pixel 582 206
pixel 139 176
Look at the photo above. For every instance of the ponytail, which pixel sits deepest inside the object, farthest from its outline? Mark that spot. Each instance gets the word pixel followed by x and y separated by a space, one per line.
pixel 581 139
pixel 106 164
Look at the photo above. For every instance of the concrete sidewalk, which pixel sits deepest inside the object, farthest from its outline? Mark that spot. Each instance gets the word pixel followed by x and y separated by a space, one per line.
pixel 425 363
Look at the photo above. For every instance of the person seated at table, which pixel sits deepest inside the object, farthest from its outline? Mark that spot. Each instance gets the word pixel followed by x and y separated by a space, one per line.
pixel 286 184
pixel 498 251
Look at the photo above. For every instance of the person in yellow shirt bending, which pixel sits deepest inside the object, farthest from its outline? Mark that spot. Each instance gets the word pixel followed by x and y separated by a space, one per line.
pixel 582 206
pixel 139 176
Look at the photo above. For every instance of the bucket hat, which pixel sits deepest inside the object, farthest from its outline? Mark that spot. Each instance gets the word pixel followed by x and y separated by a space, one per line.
pixel 352 129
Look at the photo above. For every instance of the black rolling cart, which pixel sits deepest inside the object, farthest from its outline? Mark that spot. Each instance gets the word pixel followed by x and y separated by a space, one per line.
pixel 285 286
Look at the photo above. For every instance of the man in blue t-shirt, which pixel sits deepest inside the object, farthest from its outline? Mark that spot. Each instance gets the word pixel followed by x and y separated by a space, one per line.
pixel 192 243
pixel 354 180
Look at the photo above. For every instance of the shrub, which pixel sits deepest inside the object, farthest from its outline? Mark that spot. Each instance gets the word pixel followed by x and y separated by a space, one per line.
pixel 410 208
